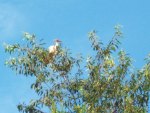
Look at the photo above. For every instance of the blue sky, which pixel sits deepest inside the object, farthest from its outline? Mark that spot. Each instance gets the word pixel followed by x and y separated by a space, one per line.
pixel 70 21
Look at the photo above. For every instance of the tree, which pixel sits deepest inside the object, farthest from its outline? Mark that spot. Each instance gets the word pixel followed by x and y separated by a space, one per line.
pixel 67 84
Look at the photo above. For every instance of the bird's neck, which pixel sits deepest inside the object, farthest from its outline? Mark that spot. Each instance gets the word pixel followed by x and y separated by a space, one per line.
pixel 57 44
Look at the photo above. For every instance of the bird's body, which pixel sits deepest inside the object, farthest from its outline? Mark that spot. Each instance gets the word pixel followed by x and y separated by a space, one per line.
pixel 52 49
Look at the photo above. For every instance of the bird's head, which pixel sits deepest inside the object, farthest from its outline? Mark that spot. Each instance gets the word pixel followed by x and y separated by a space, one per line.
pixel 57 40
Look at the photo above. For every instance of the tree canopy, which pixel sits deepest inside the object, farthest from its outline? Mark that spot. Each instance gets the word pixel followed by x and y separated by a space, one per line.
pixel 101 83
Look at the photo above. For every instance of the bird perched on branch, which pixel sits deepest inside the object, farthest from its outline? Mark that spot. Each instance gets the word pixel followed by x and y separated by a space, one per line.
pixel 53 49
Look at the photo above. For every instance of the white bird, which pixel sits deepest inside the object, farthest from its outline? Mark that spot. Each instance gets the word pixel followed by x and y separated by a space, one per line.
pixel 53 49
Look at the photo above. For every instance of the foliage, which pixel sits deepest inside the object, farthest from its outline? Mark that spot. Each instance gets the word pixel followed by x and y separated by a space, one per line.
pixel 103 85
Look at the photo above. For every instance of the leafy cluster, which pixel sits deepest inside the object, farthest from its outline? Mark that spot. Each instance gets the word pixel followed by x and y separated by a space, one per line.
pixel 64 85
